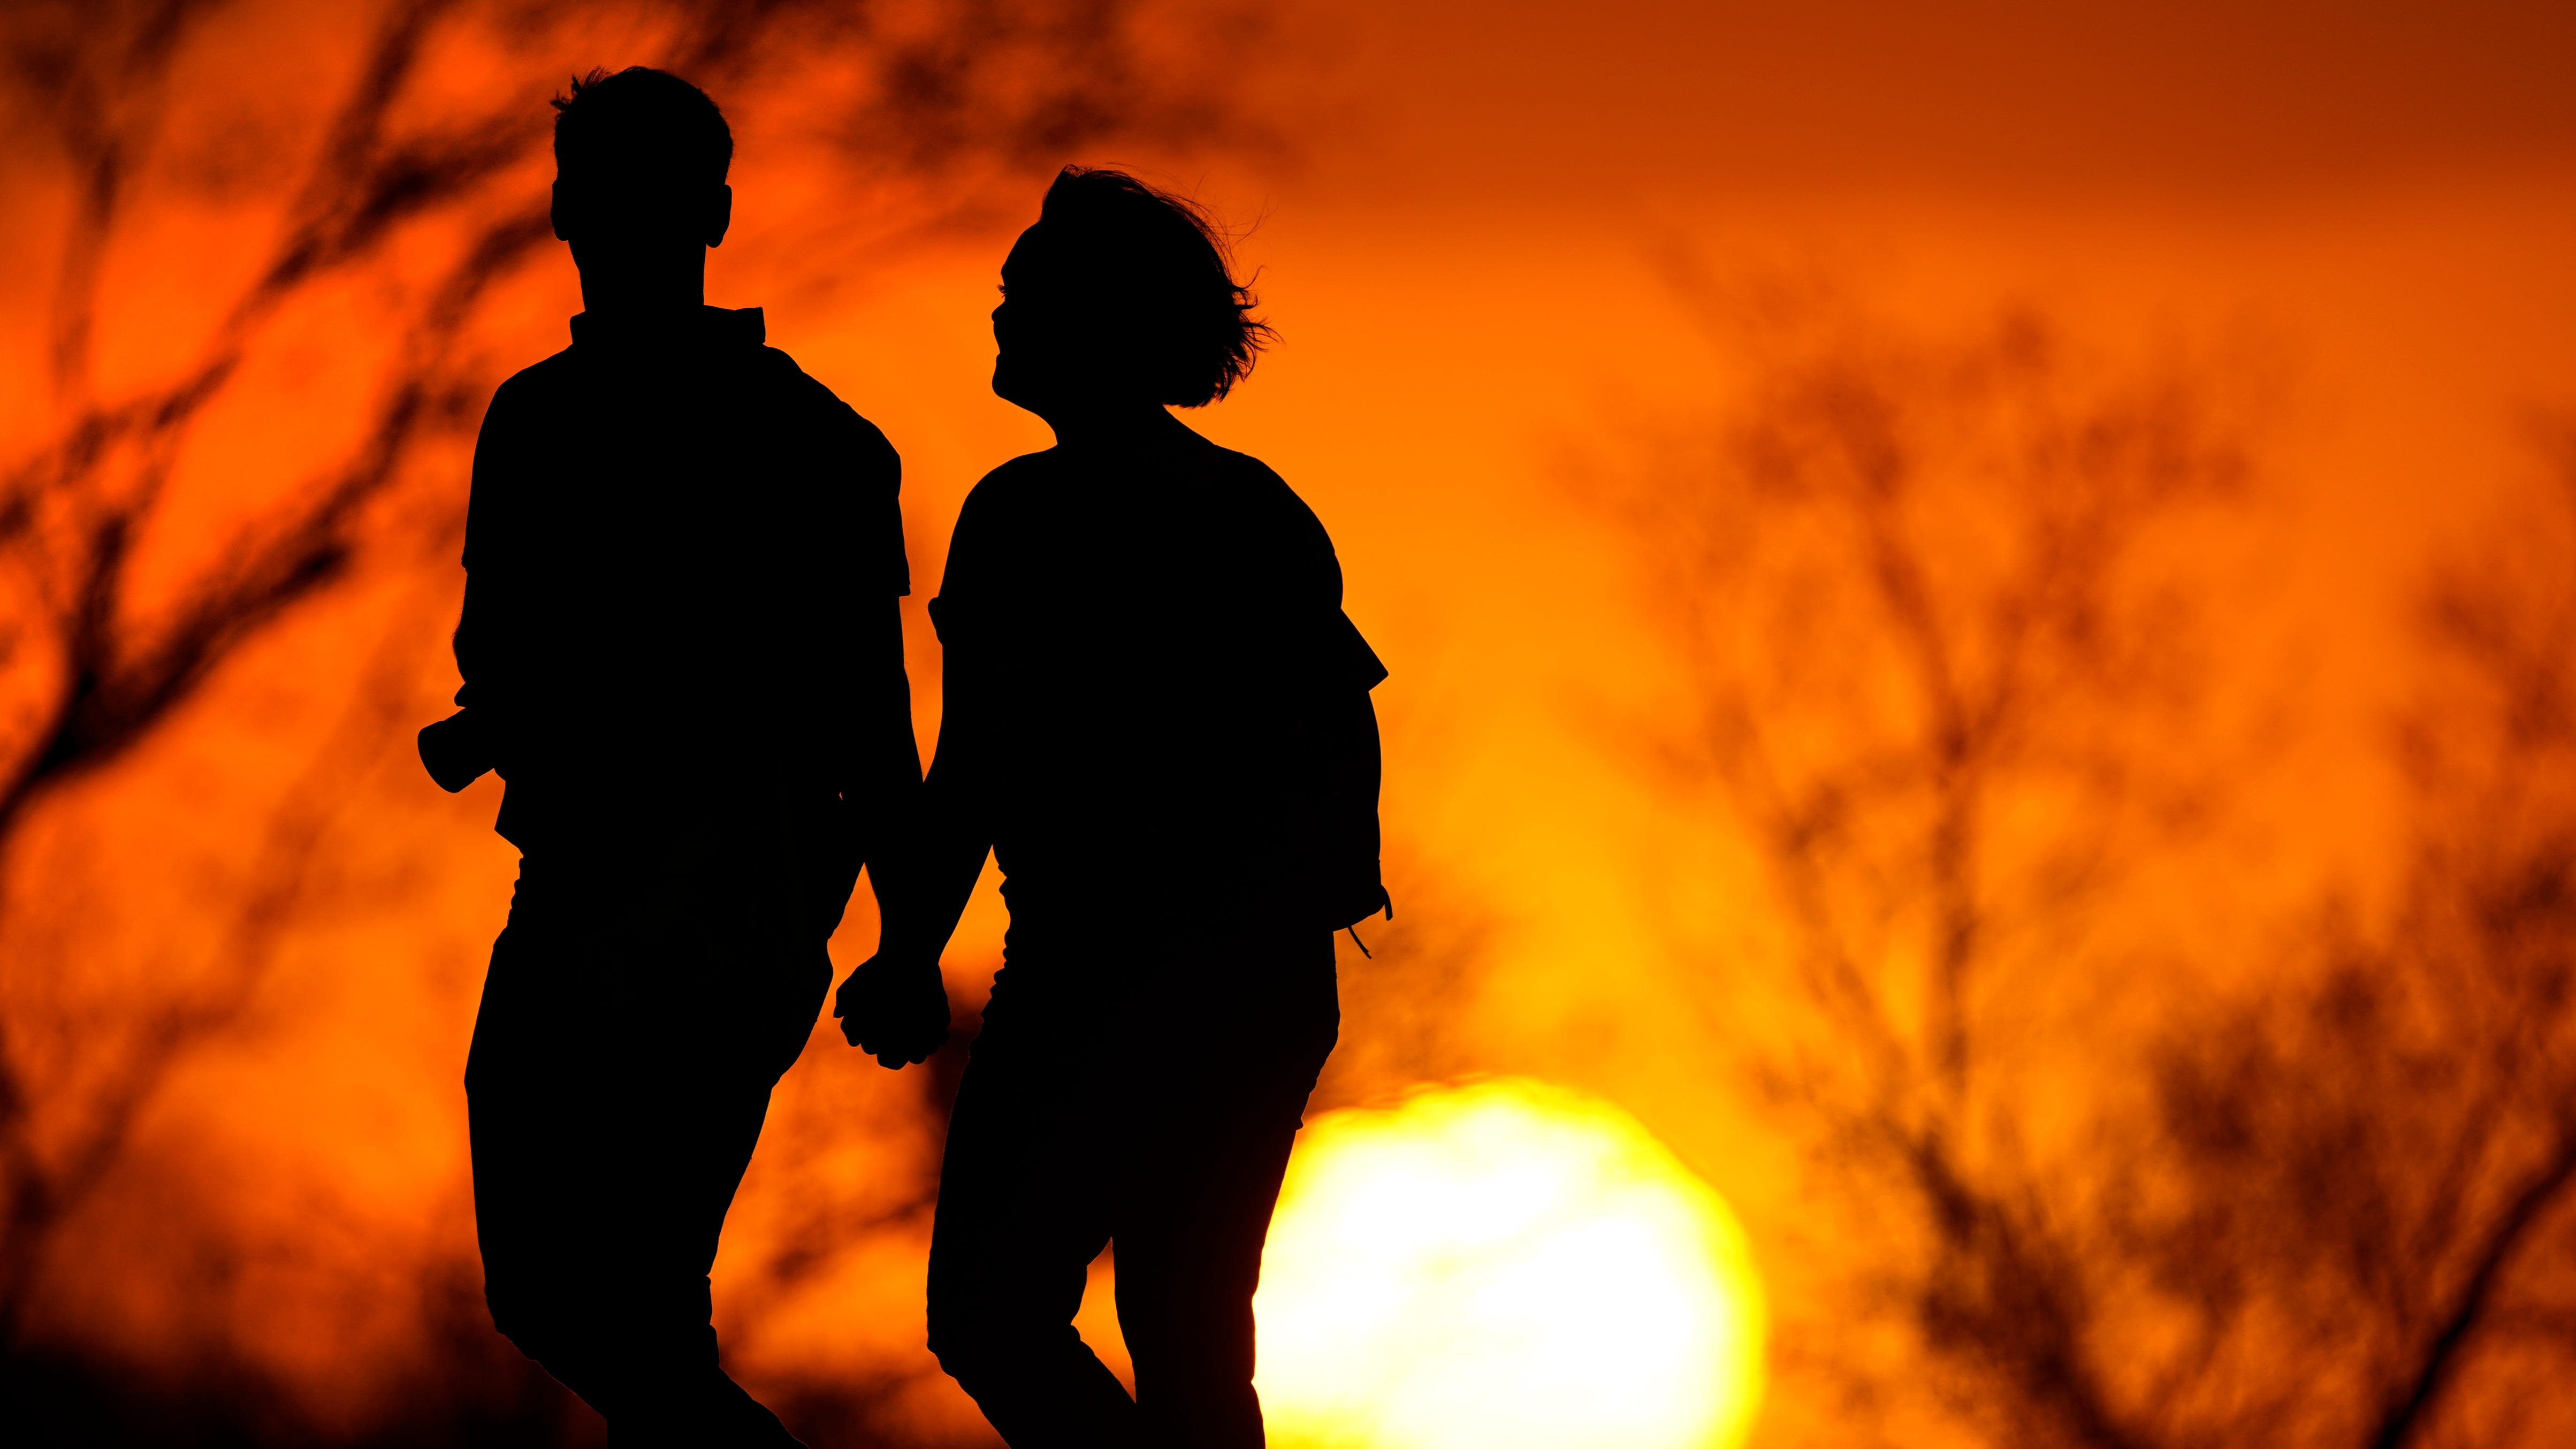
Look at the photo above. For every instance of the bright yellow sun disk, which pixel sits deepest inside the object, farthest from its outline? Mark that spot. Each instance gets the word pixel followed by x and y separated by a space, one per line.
pixel 1503 1265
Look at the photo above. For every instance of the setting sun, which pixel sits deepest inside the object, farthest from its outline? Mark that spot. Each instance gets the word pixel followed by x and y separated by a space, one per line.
pixel 1504 1264
pixel 1976 608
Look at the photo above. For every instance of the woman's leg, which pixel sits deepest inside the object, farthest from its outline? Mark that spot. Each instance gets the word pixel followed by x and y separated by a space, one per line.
pixel 1024 1206
pixel 1213 1124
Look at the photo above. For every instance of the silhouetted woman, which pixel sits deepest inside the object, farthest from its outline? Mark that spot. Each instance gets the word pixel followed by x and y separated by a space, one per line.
pixel 1158 720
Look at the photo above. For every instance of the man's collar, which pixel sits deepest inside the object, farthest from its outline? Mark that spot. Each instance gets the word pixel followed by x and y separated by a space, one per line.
pixel 700 327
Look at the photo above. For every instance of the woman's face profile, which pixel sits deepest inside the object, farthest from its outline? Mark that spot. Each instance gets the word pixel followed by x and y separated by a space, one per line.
pixel 1029 328
pixel 1050 352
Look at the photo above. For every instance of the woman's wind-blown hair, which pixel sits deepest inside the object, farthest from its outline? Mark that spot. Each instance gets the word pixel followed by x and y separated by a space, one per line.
pixel 1163 264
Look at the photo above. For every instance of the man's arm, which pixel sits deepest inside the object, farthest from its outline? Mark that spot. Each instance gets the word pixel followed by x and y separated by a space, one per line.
pixel 876 769
pixel 894 1006
pixel 883 777
pixel 458 749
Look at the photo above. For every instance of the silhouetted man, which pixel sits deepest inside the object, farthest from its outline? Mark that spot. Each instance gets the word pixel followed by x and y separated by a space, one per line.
pixel 1158 721
pixel 681 648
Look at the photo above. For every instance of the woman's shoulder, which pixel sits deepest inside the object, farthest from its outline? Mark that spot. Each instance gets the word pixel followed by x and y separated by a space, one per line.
pixel 1263 500
pixel 1009 487
pixel 1004 504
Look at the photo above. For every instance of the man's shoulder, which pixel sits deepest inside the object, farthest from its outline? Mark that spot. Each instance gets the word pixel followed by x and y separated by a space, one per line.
pixel 536 381
pixel 520 414
pixel 811 398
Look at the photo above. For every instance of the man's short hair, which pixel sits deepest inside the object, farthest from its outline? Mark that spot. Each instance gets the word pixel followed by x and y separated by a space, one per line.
pixel 641 127
pixel 1159 259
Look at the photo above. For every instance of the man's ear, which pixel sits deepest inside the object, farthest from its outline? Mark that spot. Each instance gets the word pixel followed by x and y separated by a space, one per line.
pixel 556 212
pixel 720 219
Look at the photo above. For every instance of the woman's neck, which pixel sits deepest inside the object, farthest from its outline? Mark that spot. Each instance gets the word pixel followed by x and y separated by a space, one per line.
pixel 1116 426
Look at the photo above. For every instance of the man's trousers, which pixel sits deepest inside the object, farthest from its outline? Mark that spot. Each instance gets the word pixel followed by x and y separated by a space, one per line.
pixel 632 1026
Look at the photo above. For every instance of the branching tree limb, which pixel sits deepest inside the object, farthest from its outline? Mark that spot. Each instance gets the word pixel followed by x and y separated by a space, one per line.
pixel 1946 685
pixel 432 195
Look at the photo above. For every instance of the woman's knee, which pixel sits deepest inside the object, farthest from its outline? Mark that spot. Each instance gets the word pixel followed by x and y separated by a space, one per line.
pixel 978 1326
pixel 965 1323
pixel 544 1316
pixel 543 1291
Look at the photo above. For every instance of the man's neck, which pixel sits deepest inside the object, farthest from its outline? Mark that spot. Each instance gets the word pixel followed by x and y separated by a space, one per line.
pixel 624 295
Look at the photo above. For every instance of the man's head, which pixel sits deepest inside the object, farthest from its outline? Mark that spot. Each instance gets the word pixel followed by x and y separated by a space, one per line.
pixel 640 163
pixel 1121 289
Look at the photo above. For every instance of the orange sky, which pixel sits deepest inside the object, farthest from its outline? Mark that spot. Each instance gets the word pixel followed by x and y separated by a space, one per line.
pixel 2190 103
pixel 1462 232
pixel 1465 263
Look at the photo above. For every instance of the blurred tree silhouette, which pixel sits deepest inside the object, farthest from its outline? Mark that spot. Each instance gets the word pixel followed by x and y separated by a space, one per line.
pixel 1937 610
pixel 2382 1162
pixel 1406 1004
pixel 394 193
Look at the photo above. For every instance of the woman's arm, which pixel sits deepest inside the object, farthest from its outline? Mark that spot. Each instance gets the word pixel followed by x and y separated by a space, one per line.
pixel 894 1006
pixel 925 891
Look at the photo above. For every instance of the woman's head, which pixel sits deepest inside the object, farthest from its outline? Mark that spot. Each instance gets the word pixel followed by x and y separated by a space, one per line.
pixel 1121 293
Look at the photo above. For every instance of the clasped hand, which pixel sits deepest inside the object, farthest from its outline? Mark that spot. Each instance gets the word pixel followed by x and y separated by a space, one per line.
pixel 894 1009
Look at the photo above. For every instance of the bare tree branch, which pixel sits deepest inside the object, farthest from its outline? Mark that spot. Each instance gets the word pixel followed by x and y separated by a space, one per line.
pixel 435 201
pixel 2440 1356
pixel 1944 700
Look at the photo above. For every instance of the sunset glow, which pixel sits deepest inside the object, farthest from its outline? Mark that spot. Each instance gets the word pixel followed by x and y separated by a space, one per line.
pixel 1980 711
pixel 1504 1265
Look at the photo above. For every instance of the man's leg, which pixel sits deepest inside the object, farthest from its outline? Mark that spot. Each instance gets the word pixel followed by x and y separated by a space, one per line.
pixel 1216 1120
pixel 609 1137
pixel 689 1138
pixel 539 1156
pixel 1023 1209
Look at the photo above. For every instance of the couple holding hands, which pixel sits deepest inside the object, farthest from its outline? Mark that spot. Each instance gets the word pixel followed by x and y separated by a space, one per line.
pixel 681 647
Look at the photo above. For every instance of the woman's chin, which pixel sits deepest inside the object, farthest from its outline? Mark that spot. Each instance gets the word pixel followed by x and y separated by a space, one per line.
pixel 1011 385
